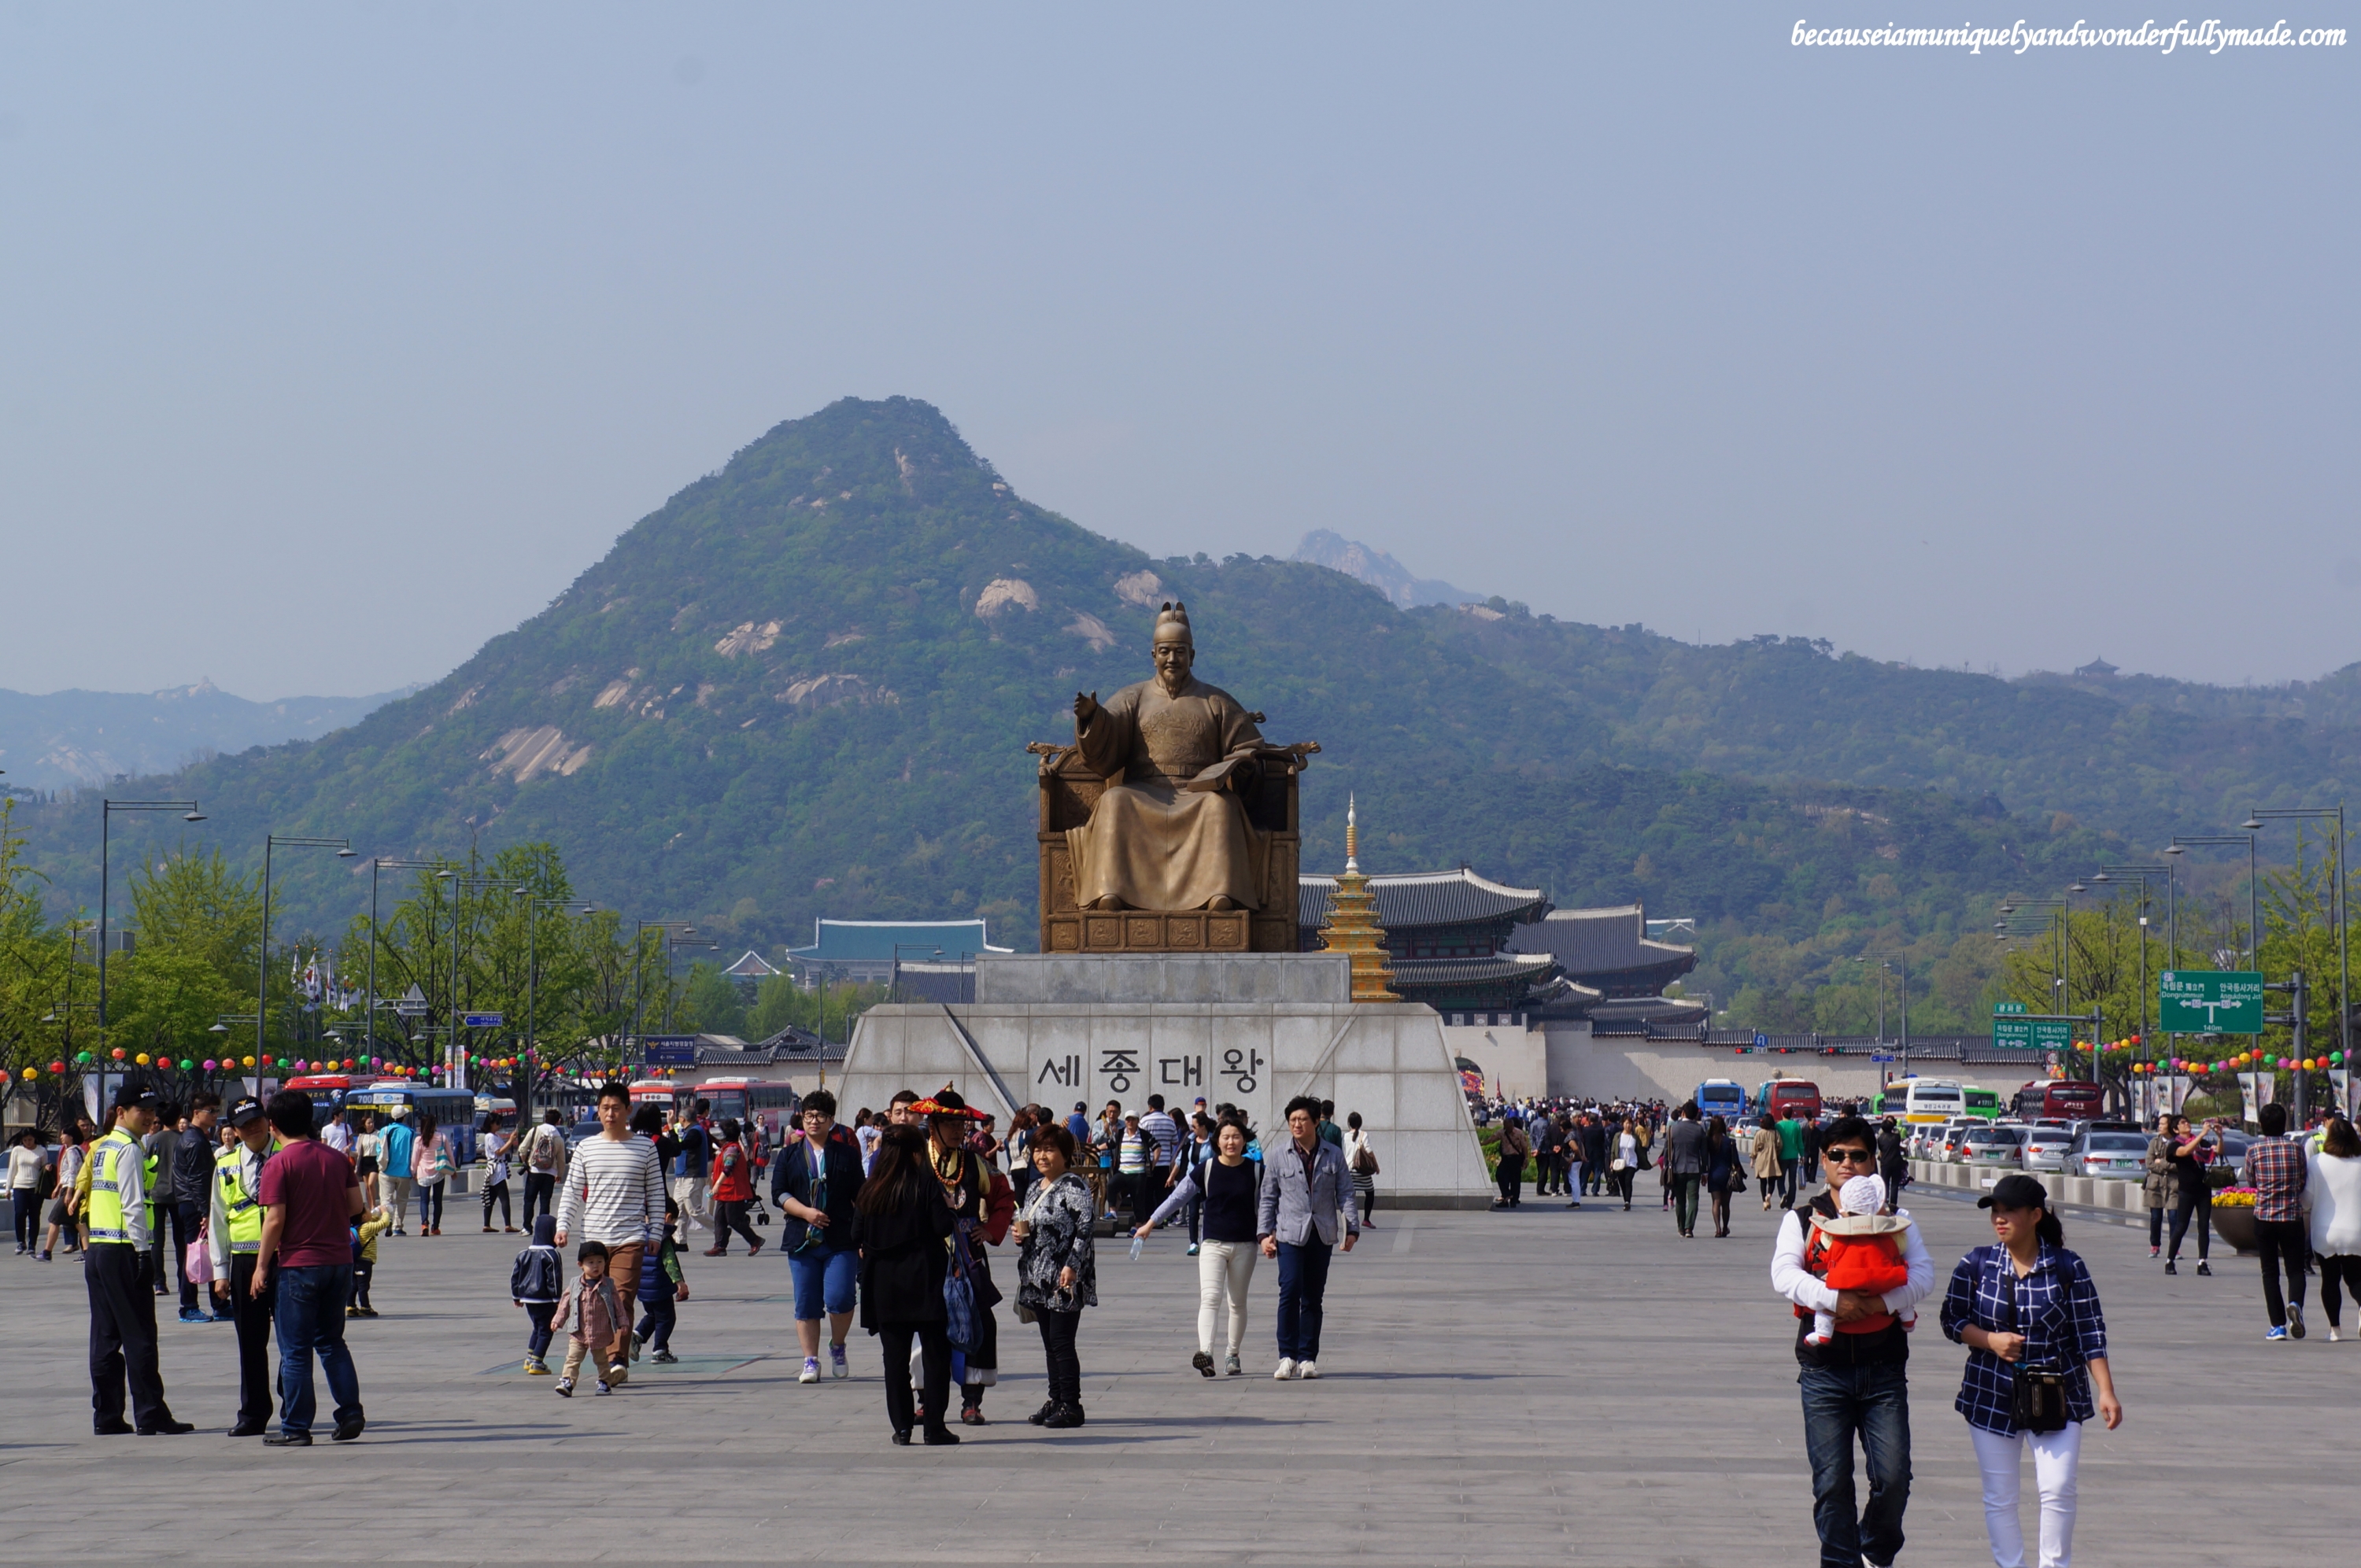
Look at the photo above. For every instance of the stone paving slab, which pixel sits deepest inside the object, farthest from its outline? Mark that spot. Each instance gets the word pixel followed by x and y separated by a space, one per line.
pixel 1502 1387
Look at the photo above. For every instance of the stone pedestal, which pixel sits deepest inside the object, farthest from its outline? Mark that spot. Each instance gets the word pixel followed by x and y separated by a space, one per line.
pixel 1252 1029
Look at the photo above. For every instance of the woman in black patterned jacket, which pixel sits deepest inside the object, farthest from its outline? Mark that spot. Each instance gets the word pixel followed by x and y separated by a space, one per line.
pixel 1057 1273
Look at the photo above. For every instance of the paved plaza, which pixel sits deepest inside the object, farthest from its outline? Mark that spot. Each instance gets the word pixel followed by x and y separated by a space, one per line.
pixel 1538 1387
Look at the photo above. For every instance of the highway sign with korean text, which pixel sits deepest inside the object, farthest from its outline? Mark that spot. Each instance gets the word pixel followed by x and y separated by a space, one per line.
pixel 2032 1034
pixel 669 1051
pixel 2210 1002
pixel 480 1020
pixel 2014 1009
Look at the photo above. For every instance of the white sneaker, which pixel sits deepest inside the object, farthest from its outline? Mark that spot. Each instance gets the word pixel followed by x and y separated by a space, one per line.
pixel 1284 1370
pixel 2334 1333
pixel 811 1370
pixel 1307 1369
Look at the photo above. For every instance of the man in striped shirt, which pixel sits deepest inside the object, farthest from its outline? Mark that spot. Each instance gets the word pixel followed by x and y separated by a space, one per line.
pixel 614 1194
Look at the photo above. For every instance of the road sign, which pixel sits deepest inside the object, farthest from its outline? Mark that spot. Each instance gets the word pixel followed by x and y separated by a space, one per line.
pixel 412 1006
pixel 1760 1039
pixel 2210 1002
pixel 480 1020
pixel 2033 1033
pixel 2008 1009
pixel 670 1052
pixel 1882 1055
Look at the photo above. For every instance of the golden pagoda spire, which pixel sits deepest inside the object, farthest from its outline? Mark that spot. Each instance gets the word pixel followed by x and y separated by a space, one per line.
pixel 1352 927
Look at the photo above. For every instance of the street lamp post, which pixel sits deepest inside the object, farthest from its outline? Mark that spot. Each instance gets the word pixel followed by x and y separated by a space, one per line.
pixel 457 1046
pixel 533 909
pixel 639 995
pixel 2140 873
pixel 2254 824
pixel 106 810
pixel 343 848
pixel 376 865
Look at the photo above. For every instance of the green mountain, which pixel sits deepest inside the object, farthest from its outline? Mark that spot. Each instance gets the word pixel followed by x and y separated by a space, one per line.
pixel 803 687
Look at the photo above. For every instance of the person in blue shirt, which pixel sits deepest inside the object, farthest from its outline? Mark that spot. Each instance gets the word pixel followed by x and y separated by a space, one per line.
pixel 393 1182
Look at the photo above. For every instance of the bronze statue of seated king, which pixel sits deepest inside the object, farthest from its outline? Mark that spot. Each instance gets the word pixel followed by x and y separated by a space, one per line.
pixel 1170 823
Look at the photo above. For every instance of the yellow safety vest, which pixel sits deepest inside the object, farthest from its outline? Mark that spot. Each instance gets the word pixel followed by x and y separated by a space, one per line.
pixel 244 1208
pixel 105 1217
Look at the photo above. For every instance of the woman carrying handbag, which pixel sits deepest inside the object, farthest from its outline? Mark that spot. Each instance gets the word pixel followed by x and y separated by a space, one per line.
pixel 431 1167
pixel 1361 1163
pixel 2037 1344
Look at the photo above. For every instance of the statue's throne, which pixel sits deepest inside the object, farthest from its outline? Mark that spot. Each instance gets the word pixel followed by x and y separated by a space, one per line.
pixel 1069 791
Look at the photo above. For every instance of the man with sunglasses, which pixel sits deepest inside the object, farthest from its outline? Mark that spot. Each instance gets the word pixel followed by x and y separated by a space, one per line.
pixel 1857 1384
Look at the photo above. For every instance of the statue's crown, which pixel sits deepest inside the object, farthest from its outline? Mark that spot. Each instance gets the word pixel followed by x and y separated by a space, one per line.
pixel 1172 623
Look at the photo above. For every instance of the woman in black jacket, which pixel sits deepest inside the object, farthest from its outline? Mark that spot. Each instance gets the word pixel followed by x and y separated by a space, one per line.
pixel 901 1224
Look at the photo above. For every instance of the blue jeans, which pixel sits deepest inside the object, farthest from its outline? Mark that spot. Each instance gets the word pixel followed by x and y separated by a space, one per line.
pixel 1302 1282
pixel 310 1317
pixel 824 1279
pixel 1874 1401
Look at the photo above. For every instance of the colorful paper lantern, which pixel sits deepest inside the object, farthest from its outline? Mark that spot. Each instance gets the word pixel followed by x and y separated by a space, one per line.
pixel 246 1062
pixel 56 1067
pixel 118 1053
pixel 81 1056
pixel 30 1075
pixel 141 1058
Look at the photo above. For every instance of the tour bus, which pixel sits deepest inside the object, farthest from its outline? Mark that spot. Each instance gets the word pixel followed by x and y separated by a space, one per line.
pixel 453 1110
pixel 1932 1100
pixel 2058 1100
pixel 661 1092
pixel 1720 1097
pixel 1781 1098
pixel 500 1105
pixel 771 1107
pixel 329 1090
pixel 1983 1104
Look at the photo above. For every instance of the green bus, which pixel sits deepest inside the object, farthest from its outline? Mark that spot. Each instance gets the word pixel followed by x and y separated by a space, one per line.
pixel 1982 1104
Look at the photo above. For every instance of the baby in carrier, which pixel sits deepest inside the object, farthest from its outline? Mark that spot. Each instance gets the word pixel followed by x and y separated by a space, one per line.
pixel 1862 1249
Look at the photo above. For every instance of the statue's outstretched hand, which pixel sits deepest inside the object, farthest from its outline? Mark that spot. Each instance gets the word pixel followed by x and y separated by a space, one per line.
pixel 1086 707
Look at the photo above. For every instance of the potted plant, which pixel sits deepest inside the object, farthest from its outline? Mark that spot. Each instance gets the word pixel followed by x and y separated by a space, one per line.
pixel 2233 1218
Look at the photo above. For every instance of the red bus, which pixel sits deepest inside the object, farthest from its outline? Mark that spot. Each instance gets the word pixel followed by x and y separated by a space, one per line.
pixel 2057 1100
pixel 1784 1097
pixel 769 1108
pixel 327 1090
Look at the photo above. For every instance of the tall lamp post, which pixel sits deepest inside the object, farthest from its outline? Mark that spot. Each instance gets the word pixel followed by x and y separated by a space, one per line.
pixel 344 851
pixel 533 909
pixel 2140 875
pixel 2254 824
pixel 106 810
pixel 2051 922
pixel 2181 845
pixel 459 884
pixel 639 995
pixel 378 864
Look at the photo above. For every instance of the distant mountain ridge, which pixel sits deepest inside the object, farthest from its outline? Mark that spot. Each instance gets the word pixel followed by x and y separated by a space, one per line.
pixel 1324 547
pixel 803 686
pixel 67 738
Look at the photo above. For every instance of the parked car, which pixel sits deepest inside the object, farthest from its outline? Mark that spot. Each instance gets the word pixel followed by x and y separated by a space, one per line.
pixel 2001 1147
pixel 2045 1148
pixel 2117 1150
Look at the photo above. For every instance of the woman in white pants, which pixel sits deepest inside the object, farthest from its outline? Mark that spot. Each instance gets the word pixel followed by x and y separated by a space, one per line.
pixel 2023 1305
pixel 1229 1183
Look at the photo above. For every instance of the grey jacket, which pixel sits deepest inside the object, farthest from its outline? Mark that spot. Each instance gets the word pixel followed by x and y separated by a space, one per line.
pixel 1684 1148
pixel 1293 1210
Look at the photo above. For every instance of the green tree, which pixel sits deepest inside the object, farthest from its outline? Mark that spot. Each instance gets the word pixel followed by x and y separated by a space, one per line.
pixel 166 1001
pixel 710 1002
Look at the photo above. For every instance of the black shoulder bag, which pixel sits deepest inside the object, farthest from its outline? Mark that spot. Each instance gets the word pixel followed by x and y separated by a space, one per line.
pixel 2037 1401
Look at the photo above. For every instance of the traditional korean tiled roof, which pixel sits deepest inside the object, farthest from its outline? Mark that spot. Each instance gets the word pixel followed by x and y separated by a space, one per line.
pixel 1406 901
pixel 1588 942
pixel 853 941
pixel 1496 969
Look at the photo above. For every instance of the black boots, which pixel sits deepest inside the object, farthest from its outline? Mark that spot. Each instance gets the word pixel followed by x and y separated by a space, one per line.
pixel 1065 1416
pixel 1041 1417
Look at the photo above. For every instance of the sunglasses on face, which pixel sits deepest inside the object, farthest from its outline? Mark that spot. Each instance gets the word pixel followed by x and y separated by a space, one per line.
pixel 1846 1157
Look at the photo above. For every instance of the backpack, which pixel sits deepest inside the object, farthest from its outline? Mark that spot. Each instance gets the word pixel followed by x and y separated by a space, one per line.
pixel 536 1277
pixel 543 1157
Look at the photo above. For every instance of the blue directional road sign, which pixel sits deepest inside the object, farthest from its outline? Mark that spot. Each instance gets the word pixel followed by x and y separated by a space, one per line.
pixel 480 1020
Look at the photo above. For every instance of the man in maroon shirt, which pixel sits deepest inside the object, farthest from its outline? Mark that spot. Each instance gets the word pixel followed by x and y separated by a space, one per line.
pixel 309 1197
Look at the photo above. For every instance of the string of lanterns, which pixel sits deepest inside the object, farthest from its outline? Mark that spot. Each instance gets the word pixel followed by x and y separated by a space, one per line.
pixel 233 1064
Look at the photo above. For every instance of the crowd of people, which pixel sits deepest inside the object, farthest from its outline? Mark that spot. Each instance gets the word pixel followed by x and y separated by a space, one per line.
pixel 267 1220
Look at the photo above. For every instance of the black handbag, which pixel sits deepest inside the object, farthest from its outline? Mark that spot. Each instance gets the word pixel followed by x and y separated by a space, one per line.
pixel 2036 1396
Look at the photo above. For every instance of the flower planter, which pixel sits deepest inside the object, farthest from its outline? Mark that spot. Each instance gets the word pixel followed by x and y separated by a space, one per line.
pixel 2235 1224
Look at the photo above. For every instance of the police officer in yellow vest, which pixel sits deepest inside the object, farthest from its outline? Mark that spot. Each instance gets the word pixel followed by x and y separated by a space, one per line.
pixel 115 1271
pixel 235 1233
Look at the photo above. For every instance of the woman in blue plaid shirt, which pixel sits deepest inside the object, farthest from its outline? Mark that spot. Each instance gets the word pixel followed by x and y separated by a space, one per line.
pixel 2027 1301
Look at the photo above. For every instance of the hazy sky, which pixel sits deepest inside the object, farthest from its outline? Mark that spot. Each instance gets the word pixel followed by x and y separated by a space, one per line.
pixel 334 339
